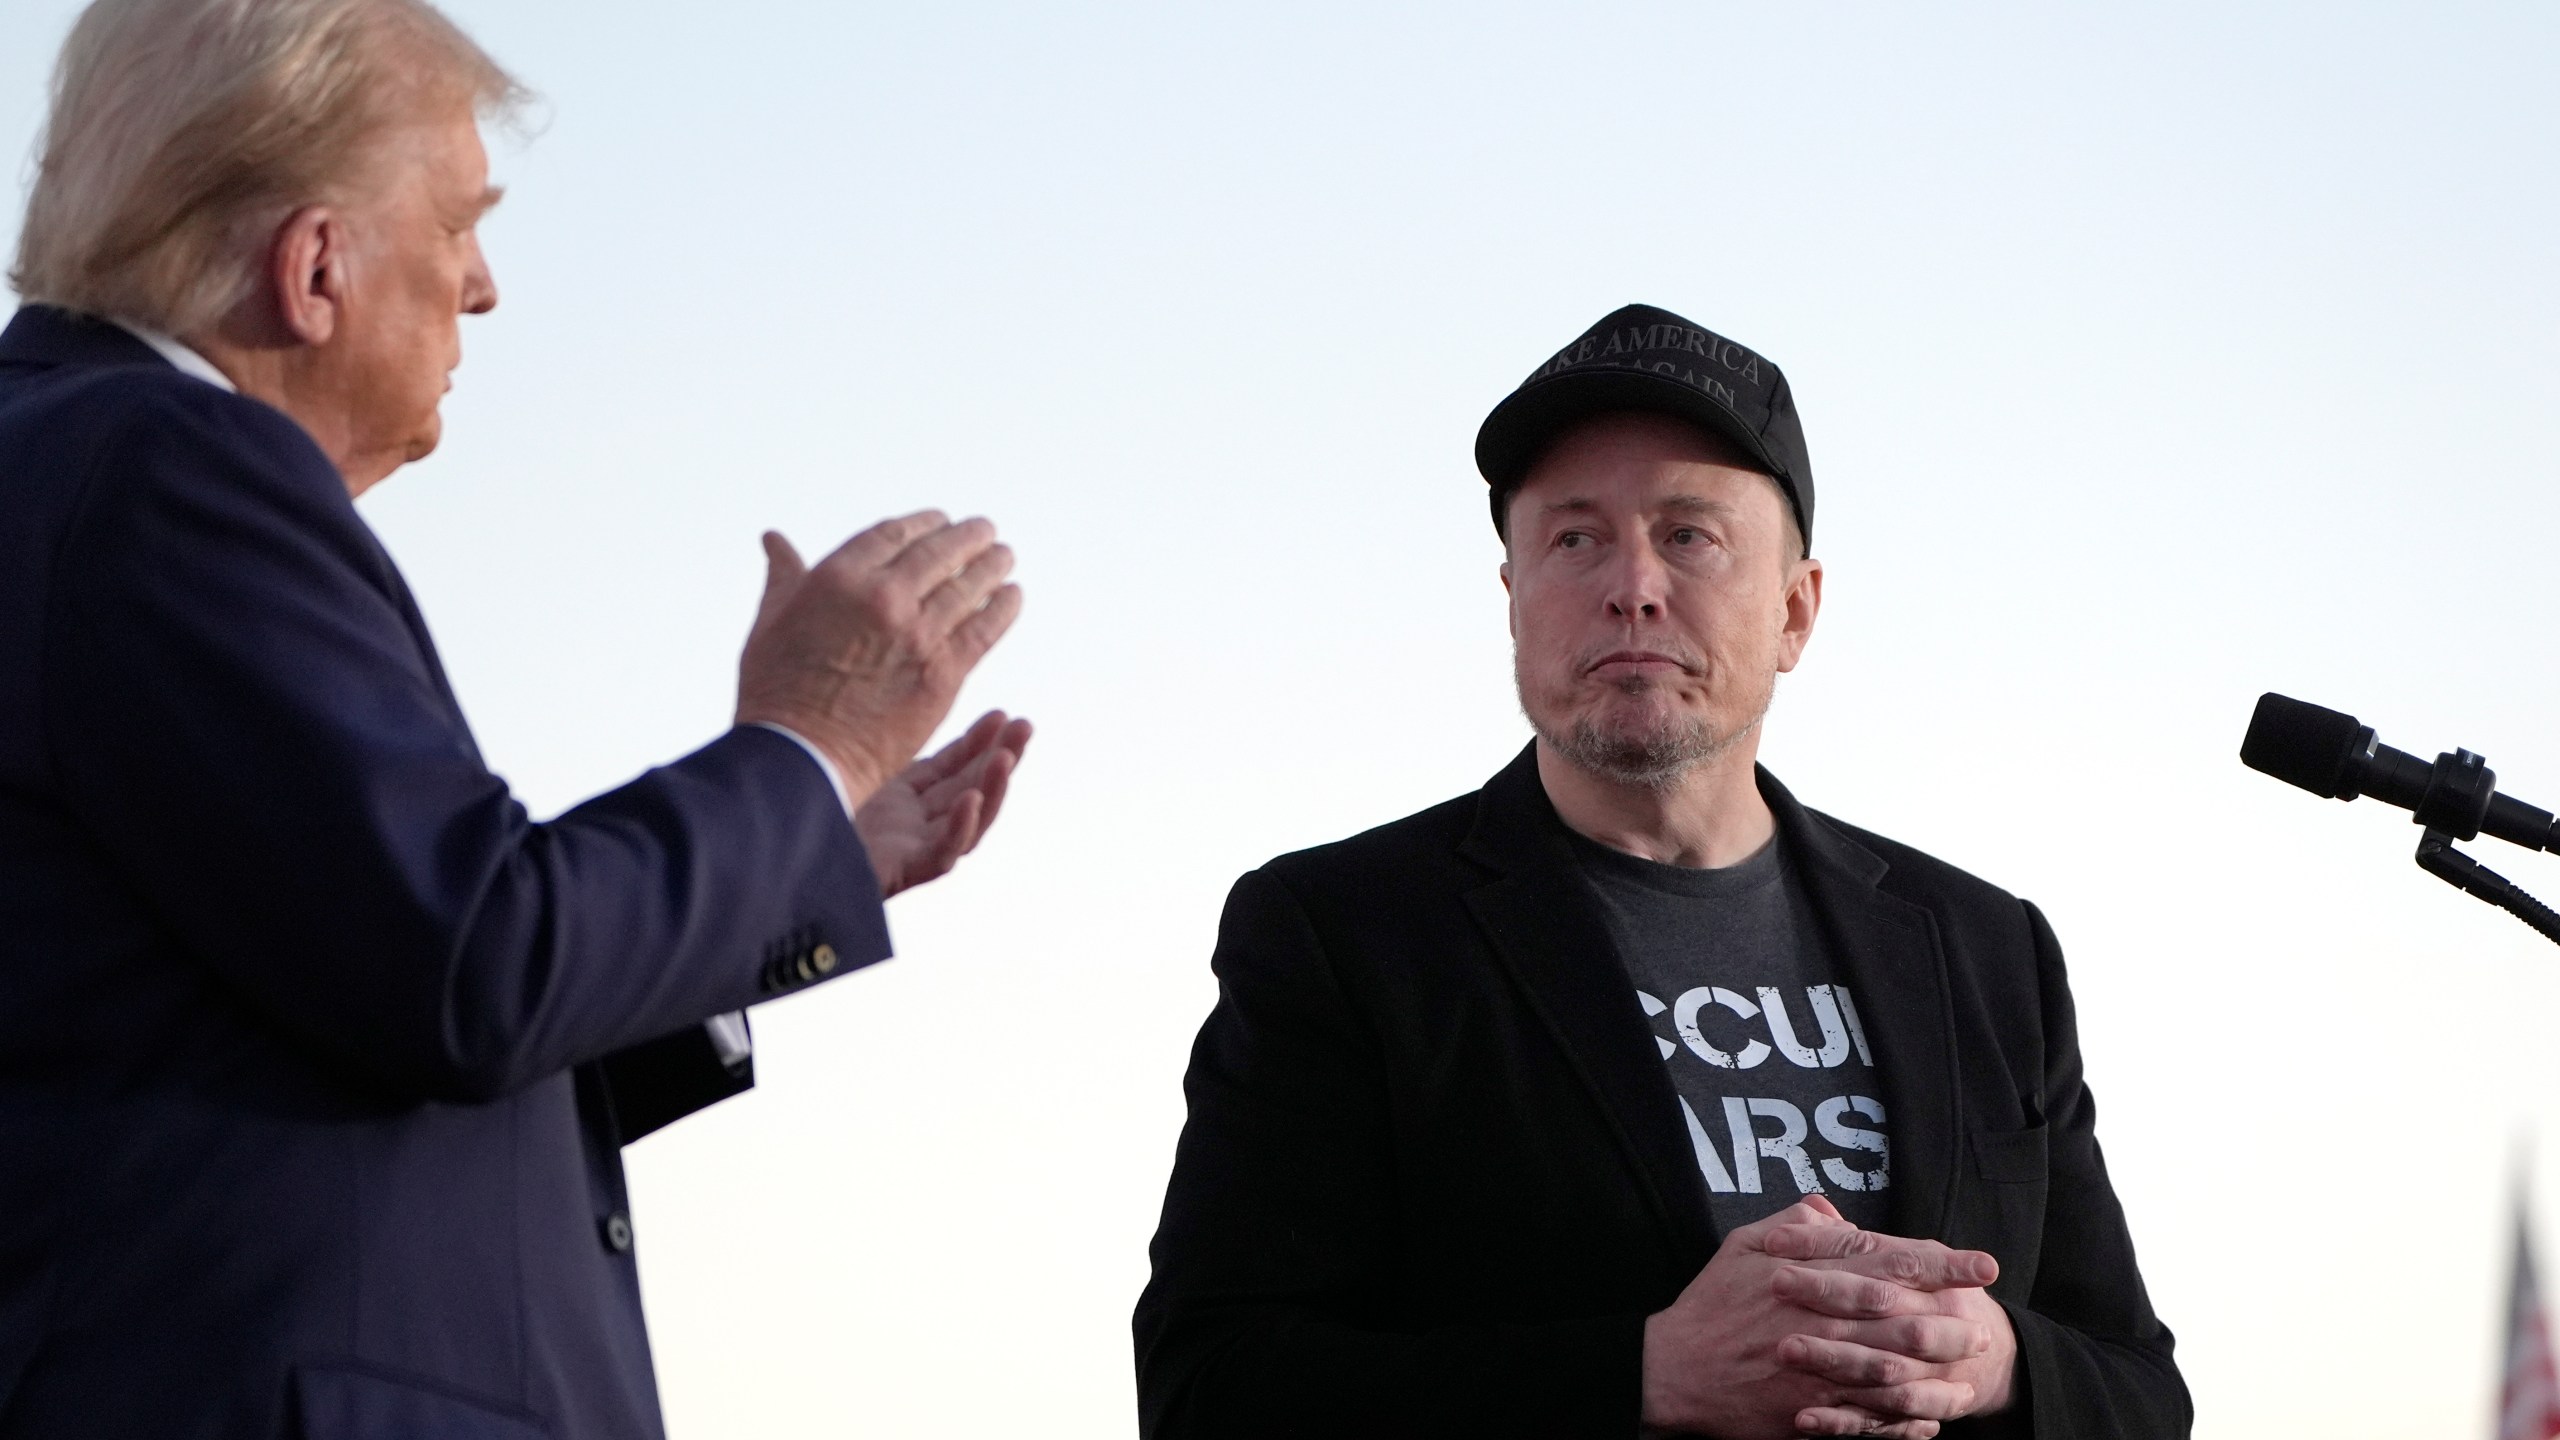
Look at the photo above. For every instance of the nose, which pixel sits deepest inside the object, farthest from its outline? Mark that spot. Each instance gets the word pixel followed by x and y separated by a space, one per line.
pixel 479 287
pixel 1636 584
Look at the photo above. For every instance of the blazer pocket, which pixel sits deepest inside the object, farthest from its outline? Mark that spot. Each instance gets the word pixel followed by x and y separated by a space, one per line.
pixel 339 1403
pixel 2010 1157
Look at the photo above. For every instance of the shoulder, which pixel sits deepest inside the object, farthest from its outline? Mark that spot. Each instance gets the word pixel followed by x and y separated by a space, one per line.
pixel 1390 858
pixel 154 490
pixel 67 425
pixel 1910 869
pixel 1969 909
pixel 158 415
pixel 139 452
pixel 1387 907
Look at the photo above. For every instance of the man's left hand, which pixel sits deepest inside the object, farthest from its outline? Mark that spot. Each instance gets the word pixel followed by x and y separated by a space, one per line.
pixel 919 824
pixel 1896 1317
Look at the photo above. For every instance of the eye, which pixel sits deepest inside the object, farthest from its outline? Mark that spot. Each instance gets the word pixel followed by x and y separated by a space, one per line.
pixel 1686 535
pixel 1572 540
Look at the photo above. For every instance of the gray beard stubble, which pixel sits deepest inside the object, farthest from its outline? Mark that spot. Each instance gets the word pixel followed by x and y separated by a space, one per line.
pixel 1655 759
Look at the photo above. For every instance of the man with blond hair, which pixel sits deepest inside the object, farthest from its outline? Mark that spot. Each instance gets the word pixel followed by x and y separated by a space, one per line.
pixel 316 1054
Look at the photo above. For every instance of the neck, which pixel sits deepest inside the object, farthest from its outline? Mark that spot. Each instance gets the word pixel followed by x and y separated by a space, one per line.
pixel 1711 817
pixel 287 377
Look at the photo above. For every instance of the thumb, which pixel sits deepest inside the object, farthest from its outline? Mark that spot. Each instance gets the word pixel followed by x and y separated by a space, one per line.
pixel 783 573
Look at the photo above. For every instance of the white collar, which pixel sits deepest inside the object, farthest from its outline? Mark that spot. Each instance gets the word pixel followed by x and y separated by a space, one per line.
pixel 177 352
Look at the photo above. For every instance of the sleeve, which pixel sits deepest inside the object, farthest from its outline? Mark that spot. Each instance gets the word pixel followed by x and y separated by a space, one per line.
pixel 1267 1314
pixel 246 721
pixel 657 1082
pixel 2093 1360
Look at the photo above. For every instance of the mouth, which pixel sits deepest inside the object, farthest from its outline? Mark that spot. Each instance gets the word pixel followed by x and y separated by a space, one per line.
pixel 1629 664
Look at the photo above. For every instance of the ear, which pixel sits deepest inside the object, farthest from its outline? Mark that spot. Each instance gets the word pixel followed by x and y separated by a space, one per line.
pixel 1511 600
pixel 307 265
pixel 1803 601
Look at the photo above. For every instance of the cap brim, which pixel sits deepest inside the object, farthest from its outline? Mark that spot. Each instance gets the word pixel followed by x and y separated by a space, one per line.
pixel 1529 419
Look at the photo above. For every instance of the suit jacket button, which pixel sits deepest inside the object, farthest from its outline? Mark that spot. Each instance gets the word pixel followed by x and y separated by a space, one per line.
pixel 617 1233
pixel 824 957
pixel 807 968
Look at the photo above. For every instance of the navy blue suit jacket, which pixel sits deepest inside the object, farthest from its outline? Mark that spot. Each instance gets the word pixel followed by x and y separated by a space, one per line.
pixel 316 1054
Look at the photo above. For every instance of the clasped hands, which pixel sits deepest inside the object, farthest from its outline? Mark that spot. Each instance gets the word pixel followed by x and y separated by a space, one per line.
pixel 863 653
pixel 1804 1324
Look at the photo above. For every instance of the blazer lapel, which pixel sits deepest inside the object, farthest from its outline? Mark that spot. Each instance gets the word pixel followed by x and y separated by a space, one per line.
pixel 1551 938
pixel 1891 960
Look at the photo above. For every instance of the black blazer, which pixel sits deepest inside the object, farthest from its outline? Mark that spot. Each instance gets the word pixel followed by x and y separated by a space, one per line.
pixel 1435 1175
pixel 316 1053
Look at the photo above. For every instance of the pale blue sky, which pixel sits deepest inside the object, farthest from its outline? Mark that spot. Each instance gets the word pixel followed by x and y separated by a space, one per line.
pixel 2149 358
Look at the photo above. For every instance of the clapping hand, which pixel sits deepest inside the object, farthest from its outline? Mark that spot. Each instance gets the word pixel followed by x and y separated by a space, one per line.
pixel 862 653
pixel 918 824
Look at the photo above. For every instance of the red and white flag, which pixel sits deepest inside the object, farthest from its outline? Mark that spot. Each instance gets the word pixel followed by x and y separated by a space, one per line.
pixel 2529 1400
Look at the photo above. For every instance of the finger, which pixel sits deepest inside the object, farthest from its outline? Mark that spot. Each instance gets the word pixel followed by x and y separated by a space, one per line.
pixel 961 593
pixel 959 833
pixel 1844 1294
pixel 1884 1352
pixel 1823 1204
pixel 978 634
pixel 971 772
pixel 783 572
pixel 989 793
pixel 1850 1420
pixel 998 779
pixel 989 775
pixel 1848 1295
pixel 882 542
pixel 944 764
pixel 1843 1363
pixel 1800 1215
pixel 1929 1339
pixel 1931 1399
pixel 1916 1264
pixel 936 555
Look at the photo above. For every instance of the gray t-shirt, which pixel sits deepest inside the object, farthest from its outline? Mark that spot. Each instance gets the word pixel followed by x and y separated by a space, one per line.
pixel 1767 1051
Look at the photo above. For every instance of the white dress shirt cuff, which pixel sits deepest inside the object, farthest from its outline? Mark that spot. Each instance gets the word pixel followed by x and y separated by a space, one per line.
pixel 729 1037
pixel 826 766
pixel 728 1032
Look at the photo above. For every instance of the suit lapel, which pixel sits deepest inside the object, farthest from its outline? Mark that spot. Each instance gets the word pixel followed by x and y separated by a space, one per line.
pixel 1889 956
pixel 1551 938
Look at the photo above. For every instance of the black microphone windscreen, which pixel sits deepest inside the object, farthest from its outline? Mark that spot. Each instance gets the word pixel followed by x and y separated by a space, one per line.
pixel 2302 744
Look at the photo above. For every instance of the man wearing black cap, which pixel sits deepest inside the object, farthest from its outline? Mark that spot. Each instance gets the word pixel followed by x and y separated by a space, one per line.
pixel 1627 1095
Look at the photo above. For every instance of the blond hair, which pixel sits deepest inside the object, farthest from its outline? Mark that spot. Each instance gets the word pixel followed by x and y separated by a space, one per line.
pixel 182 132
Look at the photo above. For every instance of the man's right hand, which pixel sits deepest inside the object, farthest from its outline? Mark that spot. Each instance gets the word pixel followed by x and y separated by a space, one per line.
pixel 863 653
pixel 1713 1361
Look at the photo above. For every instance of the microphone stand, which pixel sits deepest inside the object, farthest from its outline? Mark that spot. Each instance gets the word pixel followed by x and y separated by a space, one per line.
pixel 2437 857
pixel 2457 798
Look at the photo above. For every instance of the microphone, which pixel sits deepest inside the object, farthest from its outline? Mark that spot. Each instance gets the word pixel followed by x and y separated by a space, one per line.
pixel 2328 753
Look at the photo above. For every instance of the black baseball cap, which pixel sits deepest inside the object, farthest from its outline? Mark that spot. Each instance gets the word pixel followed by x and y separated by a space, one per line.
pixel 1643 358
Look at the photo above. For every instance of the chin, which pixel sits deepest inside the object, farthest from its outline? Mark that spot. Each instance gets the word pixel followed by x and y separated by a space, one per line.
pixel 1643 709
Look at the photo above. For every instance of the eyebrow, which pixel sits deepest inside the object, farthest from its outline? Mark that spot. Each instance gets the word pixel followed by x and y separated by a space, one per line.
pixel 1669 504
